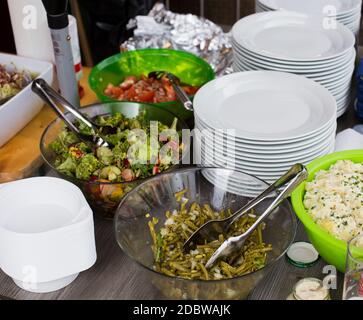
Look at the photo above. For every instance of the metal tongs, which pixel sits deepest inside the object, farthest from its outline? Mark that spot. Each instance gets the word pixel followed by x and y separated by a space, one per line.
pixel 296 175
pixel 175 82
pixel 51 97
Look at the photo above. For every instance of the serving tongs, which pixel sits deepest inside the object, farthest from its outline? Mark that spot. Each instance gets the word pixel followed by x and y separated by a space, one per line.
pixel 175 82
pixel 296 175
pixel 53 98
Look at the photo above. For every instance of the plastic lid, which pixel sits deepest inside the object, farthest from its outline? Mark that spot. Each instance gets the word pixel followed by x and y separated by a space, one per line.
pixel 302 254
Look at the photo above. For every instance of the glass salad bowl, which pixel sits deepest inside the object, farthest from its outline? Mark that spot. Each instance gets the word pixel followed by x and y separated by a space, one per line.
pixel 104 197
pixel 221 189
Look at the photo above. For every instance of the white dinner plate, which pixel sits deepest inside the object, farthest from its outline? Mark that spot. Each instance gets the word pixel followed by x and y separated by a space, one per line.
pixel 330 77
pixel 260 165
pixel 292 36
pixel 338 72
pixel 242 57
pixel 290 63
pixel 222 138
pixel 246 145
pixel 266 171
pixel 265 105
pixel 222 150
pixel 266 154
pixel 342 7
pixel 262 161
pixel 262 172
pixel 282 61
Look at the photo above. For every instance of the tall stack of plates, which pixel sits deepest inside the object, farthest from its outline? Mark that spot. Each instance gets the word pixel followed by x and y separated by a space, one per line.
pixel 263 122
pixel 348 12
pixel 296 43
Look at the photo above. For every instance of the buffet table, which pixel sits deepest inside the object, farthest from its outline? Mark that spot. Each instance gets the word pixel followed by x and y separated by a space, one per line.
pixel 115 276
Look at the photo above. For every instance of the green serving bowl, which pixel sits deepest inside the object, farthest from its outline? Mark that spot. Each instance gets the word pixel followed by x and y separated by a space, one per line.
pixel 189 68
pixel 330 248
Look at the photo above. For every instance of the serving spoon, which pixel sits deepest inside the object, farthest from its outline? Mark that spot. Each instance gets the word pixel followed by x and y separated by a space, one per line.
pixel 51 97
pixel 233 244
pixel 175 82
pixel 211 229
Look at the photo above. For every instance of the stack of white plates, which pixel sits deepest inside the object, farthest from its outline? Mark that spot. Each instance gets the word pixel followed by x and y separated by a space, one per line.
pixel 263 122
pixel 348 12
pixel 296 43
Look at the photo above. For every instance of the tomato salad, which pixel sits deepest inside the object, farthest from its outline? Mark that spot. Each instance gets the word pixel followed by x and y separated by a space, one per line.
pixel 144 89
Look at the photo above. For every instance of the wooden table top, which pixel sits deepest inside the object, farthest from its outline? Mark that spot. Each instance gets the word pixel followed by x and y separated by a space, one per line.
pixel 115 276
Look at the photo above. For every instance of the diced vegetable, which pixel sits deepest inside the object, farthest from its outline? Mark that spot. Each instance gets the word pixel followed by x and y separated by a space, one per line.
pixel 145 89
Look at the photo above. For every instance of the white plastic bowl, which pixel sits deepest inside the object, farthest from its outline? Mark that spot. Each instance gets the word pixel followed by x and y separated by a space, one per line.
pixel 19 110
pixel 46 233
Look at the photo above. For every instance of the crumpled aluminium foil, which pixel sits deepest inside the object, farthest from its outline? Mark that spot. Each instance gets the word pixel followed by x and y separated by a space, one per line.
pixel 164 29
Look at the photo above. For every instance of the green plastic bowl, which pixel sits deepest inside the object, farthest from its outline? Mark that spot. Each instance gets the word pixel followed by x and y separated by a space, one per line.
pixel 189 68
pixel 332 250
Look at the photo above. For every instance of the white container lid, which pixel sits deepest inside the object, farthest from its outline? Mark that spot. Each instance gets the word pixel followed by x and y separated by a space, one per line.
pixel 302 254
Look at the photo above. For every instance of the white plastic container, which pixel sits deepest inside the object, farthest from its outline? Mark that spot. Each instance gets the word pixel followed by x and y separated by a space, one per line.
pixel 19 110
pixel 46 233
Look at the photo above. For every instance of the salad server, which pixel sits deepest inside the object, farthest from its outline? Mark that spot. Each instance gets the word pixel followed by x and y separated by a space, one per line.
pixel 175 82
pixel 51 97
pixel 210 230
pixel 297 174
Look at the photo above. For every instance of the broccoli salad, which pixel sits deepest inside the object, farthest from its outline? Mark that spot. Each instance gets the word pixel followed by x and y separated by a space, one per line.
pixel 130 155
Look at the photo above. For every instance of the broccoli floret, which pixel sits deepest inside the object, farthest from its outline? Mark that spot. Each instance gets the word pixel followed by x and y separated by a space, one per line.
pixel 112 121
pixel 87 166
pixel 68 167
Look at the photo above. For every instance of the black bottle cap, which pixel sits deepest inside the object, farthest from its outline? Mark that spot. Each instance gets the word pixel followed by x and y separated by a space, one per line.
pixel 56 13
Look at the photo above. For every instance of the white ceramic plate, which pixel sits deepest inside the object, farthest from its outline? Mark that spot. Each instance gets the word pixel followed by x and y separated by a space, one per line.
pixel 241 51
pixel 263 160
pixel 241 56
pixel 266 156
pixel 292 36
pixel 338 72
pixel 282 61
pixel 267 170
pixel 342 7
pixel 222 138
pixel 258 104
pixel 334 84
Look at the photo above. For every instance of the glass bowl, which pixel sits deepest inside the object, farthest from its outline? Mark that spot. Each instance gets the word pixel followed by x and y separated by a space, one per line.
pixel 186 66
pixel 216 187
pixel 104 197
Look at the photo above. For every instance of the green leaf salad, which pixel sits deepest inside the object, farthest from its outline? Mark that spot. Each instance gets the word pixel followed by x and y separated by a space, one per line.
pixel 133 153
